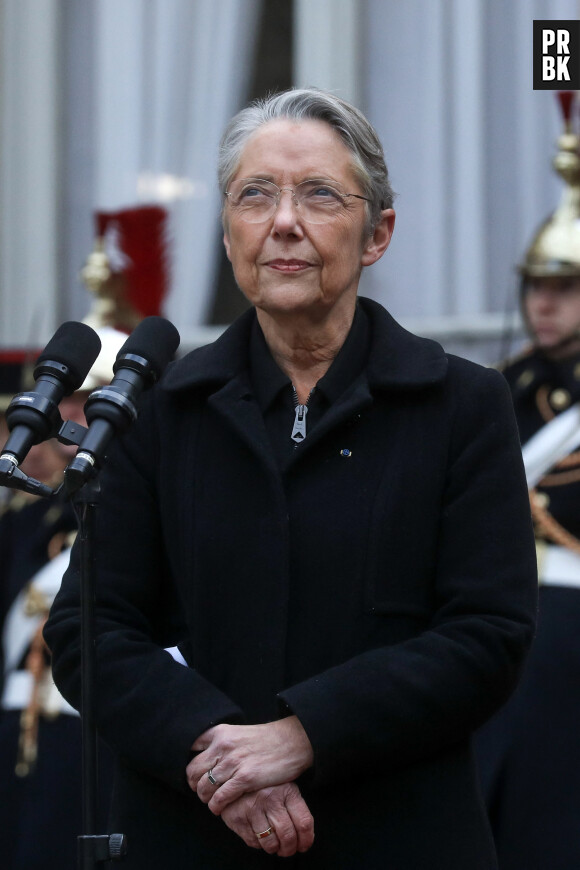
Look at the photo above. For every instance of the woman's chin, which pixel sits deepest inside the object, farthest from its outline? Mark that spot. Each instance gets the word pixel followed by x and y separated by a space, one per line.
pixel 288 301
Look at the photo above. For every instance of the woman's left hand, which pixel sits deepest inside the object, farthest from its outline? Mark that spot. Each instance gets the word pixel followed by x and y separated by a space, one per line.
pixel 246 758
pixel 274 819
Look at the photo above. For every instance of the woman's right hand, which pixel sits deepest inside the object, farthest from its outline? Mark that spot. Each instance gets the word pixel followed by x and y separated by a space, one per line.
pixel 247 758
pixel 281 808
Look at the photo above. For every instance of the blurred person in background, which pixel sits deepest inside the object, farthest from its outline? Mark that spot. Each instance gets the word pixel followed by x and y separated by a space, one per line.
pixel 529 754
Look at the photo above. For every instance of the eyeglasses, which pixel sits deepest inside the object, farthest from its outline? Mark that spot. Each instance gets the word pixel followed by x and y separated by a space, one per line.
pixel 255 200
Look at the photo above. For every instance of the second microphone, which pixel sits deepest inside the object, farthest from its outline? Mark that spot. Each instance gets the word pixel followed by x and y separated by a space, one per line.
pixel 111 410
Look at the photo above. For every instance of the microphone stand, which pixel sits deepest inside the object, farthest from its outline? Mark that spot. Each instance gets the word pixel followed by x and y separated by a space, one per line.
pixel 93 848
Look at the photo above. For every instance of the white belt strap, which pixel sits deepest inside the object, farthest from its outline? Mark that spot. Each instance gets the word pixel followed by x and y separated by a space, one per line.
pixel 553 442
pixel 19 627
pixel 558 566
pixel 17 693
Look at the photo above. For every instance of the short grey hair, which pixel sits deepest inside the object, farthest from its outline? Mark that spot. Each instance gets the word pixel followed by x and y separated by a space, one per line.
pixel 299 104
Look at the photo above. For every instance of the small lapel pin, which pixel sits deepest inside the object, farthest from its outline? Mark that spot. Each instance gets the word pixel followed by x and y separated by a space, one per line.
pixel 345 452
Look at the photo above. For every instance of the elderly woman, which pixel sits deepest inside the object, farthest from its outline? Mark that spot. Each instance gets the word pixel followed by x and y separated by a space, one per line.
pixel 328 516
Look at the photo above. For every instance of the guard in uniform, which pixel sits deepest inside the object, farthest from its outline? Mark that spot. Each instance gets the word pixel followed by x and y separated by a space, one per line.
pixel 529 754
pixel 40 783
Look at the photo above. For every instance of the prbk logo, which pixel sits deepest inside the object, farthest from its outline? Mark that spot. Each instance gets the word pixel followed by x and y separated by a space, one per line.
pixel 556 55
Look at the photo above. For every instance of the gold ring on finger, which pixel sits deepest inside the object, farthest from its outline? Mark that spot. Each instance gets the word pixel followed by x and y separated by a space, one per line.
pixel 263 834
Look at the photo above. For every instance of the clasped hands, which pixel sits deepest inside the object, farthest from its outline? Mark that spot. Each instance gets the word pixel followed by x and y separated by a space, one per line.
pixel 254 768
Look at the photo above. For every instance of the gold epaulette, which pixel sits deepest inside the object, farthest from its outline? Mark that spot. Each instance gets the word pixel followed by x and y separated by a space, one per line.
pixel 17 501
pixel 549 528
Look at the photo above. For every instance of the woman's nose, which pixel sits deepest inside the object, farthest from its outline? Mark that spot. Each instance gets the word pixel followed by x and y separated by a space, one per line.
pixel 287 213
pixel 286 199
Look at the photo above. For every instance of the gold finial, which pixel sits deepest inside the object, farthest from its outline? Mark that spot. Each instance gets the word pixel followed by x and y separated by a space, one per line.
pixel 96 270
pixel 555 249
pixel 96 275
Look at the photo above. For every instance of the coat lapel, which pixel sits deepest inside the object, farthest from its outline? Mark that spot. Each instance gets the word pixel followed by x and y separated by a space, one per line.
pixel 237 406
pixel 398 361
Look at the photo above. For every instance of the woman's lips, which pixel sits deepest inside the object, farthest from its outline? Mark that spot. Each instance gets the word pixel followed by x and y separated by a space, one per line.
pixel 288 265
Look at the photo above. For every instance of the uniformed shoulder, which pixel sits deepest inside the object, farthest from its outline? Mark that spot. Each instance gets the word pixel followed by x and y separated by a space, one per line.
pixel 525 371
pixel 16 502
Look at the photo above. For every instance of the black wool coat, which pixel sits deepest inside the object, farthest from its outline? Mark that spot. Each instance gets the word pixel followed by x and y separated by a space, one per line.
pixel 382 588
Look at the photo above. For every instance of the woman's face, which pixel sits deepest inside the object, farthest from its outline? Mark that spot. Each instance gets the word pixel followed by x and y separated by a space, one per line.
pixel 552 309
pixel 286 265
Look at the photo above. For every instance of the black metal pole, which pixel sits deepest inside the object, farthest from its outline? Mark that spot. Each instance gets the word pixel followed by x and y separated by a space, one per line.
pixel 88 669
pixel 93 849
pixel 85 501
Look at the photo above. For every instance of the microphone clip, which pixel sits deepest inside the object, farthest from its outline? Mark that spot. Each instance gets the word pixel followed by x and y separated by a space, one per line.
pixel 12 477
pixel 71 433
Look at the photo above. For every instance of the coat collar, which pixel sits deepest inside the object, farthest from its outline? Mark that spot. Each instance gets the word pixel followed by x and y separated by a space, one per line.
pixel 398 359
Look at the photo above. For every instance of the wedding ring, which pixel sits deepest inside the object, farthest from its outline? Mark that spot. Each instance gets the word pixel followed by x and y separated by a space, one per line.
pixel 265 833
pixel 210 776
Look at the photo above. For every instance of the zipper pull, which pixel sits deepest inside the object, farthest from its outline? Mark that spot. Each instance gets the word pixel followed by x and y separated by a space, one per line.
pixel 299 428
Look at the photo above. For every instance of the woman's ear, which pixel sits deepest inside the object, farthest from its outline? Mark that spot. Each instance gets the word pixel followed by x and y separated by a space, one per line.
pixel 227 245
pixel 378 243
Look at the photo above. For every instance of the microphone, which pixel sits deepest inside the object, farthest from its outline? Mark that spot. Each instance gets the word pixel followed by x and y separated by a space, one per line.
pixel 60 369
pixel 112 409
